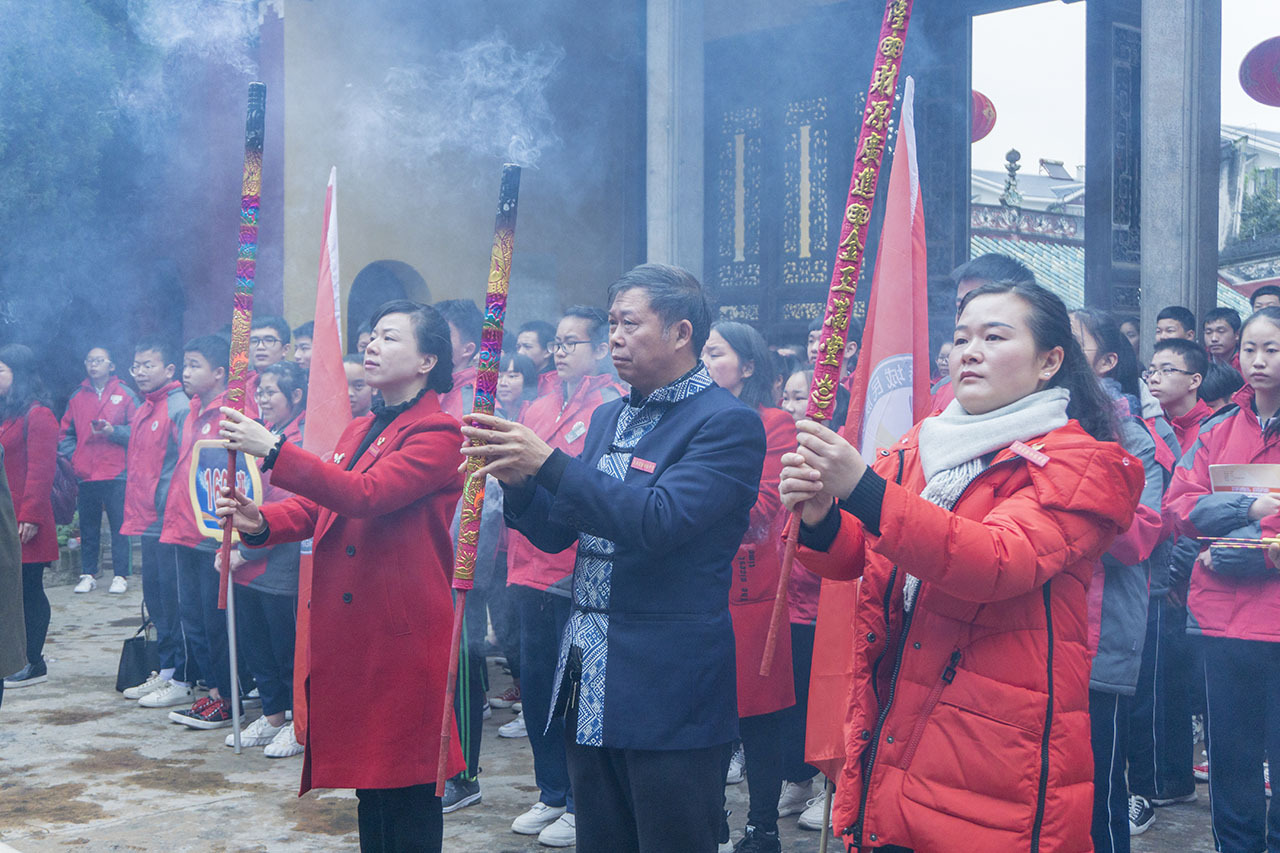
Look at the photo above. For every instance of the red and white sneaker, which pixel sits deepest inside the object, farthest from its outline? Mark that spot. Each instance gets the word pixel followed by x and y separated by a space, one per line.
pixel 507 698
pixel 216 714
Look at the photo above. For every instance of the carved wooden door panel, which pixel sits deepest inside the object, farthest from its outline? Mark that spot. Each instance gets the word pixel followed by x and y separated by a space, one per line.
pixel 780 136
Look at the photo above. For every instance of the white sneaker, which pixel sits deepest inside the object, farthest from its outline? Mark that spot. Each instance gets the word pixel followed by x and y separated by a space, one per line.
pixel 515 728
pixel 119 585
pixel 153 683
pixel 795 796
pixel 562 833
pixel 284 744
pixel 536 819
pixel 811 817
pixel 169 694
pixel 258 733
pixel 737 766
pixel 252 698
pixel 87 584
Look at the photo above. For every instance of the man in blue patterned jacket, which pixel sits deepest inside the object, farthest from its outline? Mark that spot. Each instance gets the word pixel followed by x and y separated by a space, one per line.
pixel 658 503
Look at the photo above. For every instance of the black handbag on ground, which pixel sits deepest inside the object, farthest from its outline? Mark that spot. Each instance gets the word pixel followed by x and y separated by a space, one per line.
pixel 140 655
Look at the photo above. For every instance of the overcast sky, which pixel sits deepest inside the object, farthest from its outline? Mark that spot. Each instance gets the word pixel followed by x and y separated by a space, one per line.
pixel 1030 63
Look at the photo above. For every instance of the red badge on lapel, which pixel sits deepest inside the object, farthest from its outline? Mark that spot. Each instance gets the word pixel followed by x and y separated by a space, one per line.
pixel 643 464
pixel 1035 457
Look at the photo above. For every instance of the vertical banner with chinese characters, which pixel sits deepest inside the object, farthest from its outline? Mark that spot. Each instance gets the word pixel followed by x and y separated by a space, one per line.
pixel 857 213
pixel 847 267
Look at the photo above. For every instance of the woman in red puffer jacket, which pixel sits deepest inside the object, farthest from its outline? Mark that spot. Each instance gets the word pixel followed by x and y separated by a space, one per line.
pixel 975 538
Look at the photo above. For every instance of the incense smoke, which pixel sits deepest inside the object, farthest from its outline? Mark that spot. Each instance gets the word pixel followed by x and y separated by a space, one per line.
pixel 487 99
pixel 213 30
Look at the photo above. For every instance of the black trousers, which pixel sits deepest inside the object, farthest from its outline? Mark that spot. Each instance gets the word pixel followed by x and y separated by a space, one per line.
pixel 1242 680
pixel 1160 747
pixel 1109 730
pixel 266 626
pixel 794 768
pixel 35 610
pixel 762 743
pixel 646 801
pixel 400 820
pixel 505 615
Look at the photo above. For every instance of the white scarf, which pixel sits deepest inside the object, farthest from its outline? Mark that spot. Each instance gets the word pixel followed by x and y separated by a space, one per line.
pixel 953 443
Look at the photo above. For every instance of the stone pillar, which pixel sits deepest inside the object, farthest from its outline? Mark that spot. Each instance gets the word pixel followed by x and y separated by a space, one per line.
pixel 1181 116
pixel 674 149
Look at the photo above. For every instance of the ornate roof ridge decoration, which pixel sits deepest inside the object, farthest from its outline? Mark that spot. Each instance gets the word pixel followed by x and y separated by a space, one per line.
pixel 1031 224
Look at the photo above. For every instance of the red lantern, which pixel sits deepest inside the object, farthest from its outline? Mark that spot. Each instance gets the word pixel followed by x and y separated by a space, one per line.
pixel 984 116
pixel 1260 72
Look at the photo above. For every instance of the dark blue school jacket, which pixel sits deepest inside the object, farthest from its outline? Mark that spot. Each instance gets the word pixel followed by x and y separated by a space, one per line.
pixel 671 676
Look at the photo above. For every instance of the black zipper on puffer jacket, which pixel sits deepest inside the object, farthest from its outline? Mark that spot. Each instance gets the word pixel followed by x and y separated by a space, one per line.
pixel 875 668
pixel 893 576
pixel 1042 791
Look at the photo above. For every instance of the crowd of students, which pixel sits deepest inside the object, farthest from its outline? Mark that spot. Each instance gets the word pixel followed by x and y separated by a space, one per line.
pixel 1177 634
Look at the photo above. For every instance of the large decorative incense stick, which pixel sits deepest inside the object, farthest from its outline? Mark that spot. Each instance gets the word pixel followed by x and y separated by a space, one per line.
pixel 848 264
pixel 1229 542
pixel 237 380
pixel 464 563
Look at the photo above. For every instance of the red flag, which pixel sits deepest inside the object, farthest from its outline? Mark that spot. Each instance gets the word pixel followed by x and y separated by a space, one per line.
pixel 328 413
pixel 890 393
pixel 328 409
pixel 891 383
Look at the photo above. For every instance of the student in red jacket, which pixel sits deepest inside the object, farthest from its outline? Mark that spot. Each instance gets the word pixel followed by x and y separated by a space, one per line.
pixel 465 323
pixel 538 580
pixel 1177 369
pixel 738 359
pixel 1235 592
pixel 533 341
pixel 154 443
pixel 797 795
pixel 378 515
pixel 518 382
pixel 975 537
pixel 29 435
pixel 359 392
pixel 95 433
pixel 1160 741
pixel 267 580
pixel 204 378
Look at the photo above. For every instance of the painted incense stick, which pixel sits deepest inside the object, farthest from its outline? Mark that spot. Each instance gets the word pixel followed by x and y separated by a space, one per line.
pixel 464 563
pixel 848 264
pixel 237 379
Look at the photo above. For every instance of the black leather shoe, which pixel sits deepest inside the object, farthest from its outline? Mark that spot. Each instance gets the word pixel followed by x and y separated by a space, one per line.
pixel 32 673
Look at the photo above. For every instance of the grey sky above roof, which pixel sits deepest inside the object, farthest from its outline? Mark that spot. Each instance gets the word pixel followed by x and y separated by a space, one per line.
pixel 1030 63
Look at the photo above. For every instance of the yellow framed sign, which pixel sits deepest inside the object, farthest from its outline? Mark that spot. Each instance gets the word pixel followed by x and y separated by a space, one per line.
pixel 208 477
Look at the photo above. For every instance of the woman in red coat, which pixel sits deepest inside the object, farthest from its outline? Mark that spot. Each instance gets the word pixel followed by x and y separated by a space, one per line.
pixel 975 537
pixel 29 435
pixel 380 602
pixel 738 359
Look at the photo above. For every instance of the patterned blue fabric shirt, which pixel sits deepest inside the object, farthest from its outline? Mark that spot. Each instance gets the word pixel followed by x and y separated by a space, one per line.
pixel 588 626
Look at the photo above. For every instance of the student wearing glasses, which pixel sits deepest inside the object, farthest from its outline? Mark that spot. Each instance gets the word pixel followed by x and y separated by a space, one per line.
pixel 94 434
pixel 561 418
pixel 268 341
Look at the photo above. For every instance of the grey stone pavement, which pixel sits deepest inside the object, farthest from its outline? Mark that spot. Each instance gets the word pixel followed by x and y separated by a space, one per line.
pixel 83 769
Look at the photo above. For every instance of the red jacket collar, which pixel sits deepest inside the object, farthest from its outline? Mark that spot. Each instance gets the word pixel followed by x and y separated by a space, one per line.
pixel 589 385
pixel 1244 397
pixel 163 392
pixel 1194 415
pixel 112 384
